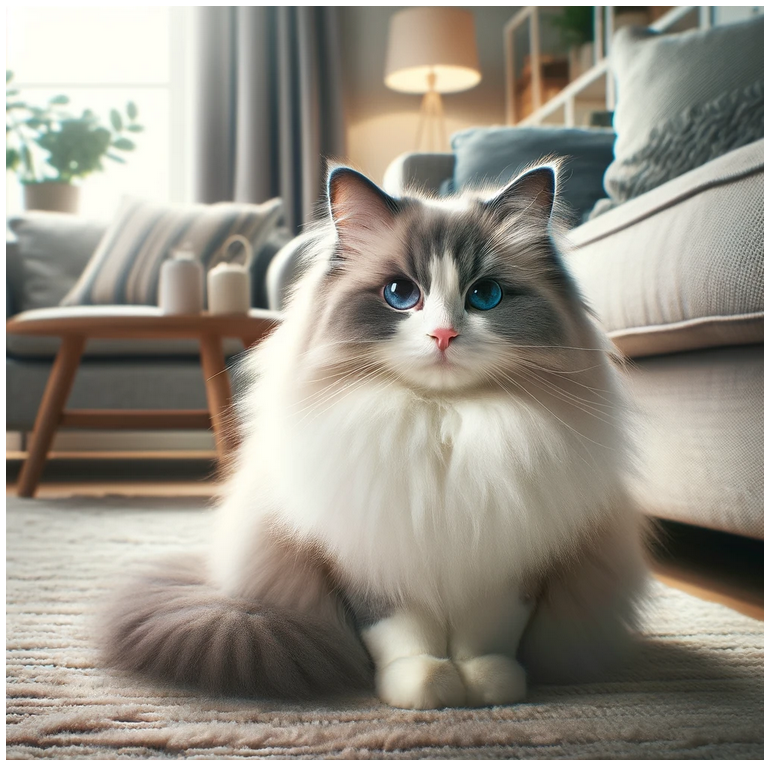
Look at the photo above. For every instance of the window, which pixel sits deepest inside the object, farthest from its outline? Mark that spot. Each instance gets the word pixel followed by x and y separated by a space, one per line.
pixel 103 57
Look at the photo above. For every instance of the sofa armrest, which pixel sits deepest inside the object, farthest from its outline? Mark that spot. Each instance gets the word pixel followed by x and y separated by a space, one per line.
pixel 425 172
pixel 283 271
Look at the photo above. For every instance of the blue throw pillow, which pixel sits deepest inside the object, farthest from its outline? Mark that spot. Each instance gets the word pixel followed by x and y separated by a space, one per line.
pixel 496 155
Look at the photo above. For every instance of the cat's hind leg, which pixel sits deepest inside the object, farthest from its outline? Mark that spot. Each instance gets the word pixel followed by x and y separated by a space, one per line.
pixel 586 618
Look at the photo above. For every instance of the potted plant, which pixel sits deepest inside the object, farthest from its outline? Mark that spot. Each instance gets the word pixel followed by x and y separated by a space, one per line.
pixel 49 148
pixel 575 23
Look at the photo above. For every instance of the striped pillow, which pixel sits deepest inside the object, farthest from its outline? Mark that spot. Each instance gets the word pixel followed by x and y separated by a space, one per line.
pixel 125 267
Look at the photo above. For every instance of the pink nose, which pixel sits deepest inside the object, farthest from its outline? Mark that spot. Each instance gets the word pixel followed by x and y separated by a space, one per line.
pixel 443 336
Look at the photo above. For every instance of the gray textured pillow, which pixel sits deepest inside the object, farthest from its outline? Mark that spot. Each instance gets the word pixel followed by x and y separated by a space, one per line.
pixel 51 251
pixel 683 99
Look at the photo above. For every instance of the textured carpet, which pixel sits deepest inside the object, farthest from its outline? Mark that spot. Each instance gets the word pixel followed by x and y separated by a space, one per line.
pixel 696 691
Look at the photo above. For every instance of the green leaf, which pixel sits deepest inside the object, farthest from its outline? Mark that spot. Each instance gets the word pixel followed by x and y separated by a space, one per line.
pixel 116 120
pixel 131 110
pixel 59 100
pixel 11 93
pixel 116 158
pixel 135 128
pixel 34 122
pixel 123 143
pixel 15 105
pixel 8 75
pixel 12 159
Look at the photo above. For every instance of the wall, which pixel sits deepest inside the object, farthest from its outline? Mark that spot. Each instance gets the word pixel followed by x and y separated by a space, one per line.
pixel 381 124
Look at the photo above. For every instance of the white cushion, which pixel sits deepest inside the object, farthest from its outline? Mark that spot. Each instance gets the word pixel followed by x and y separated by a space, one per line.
pixel 682 266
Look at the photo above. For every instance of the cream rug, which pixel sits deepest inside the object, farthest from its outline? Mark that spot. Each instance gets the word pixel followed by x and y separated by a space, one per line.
pixel 696 692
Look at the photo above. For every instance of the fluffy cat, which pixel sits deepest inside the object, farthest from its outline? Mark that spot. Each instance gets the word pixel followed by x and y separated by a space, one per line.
pixel 431 475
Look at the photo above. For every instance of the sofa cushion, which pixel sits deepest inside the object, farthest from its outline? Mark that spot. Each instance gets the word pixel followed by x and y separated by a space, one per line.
pixel 702 438
pixel 50 253
pixel 125 268
pixel 493 156
pixel 683 99
pixel 680 267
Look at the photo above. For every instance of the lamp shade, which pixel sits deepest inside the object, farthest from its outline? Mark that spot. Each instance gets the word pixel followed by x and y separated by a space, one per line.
pixel 438 41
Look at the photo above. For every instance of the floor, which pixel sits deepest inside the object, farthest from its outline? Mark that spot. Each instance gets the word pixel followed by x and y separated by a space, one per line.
pixel 711 565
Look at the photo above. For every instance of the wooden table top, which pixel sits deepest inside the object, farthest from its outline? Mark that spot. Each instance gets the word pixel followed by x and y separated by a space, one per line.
pixel 139 322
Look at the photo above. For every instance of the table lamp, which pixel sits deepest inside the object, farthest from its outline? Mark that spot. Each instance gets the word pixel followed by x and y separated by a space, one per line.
pixel 432 51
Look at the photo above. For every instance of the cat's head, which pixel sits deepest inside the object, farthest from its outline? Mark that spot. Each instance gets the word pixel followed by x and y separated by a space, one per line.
pixel 444 295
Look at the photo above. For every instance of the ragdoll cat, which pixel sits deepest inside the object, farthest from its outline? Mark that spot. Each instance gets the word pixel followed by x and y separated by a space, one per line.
pixel 431 477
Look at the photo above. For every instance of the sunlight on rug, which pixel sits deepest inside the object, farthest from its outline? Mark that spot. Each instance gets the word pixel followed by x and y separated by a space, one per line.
pixel 696 691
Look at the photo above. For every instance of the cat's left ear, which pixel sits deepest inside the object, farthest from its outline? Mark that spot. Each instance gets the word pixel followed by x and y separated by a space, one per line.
pixel 357 204
pixel 532 192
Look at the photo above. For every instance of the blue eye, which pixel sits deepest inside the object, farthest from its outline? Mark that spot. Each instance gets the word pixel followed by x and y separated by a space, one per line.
pixel 402 294
pixel 484 295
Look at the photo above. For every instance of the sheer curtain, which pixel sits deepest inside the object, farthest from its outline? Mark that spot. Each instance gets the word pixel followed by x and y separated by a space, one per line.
pixel 269 108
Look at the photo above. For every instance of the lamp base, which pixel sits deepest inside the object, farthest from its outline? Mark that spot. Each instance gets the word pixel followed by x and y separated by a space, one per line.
pixel 432 125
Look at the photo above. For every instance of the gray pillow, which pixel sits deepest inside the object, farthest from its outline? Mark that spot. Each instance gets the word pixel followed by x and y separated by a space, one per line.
pixel 51 252
pixel 496 155
pixel 683 99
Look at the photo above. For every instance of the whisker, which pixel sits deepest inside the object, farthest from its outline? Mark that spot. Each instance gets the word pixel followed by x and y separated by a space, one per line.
pixel 562 395
pixel 529 393
pixel 555 387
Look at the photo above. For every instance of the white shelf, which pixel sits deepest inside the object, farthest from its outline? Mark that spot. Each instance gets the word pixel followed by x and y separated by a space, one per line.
pixel 593 90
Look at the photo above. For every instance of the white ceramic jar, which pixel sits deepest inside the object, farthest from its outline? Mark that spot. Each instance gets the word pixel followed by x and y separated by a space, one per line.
pixel 229 289
pixel 180 290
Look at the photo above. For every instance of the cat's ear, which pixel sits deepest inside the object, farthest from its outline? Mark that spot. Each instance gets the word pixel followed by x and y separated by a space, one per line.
pixel 532 192
pixel 357 204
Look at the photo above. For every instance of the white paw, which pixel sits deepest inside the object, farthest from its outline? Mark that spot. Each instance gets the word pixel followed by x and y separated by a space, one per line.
pixel 421 683
pixel 492 679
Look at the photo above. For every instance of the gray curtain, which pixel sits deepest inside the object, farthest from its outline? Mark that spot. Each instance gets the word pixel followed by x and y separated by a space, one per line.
pixel 270 109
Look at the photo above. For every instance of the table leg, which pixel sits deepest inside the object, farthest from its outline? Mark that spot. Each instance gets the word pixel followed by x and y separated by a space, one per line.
pixel 218 391
pixel 49 414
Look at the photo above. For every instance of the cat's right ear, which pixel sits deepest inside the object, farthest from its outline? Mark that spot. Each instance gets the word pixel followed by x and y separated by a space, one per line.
pixel 356 204
pixel 532 192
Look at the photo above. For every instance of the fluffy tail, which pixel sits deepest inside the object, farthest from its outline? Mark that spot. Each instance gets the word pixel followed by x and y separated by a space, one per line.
pixel 171 625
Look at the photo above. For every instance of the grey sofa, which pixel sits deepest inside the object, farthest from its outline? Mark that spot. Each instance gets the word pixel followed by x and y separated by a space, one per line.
pixel 676 277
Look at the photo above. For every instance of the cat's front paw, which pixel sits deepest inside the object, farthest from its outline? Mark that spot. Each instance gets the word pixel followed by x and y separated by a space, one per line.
pixel 422 682
pixel 492 679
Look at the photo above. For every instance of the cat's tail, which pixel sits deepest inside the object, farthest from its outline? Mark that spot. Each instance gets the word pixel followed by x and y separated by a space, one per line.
pixel 168 623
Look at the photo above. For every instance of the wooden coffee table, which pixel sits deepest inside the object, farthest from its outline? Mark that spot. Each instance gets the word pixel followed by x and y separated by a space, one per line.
pixel 75 326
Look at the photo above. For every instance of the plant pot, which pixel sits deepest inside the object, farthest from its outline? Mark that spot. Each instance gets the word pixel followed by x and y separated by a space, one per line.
pixel 580 59
pixel 56 196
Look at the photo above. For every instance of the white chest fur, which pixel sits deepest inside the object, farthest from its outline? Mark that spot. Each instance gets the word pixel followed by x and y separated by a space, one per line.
pixel 430 500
